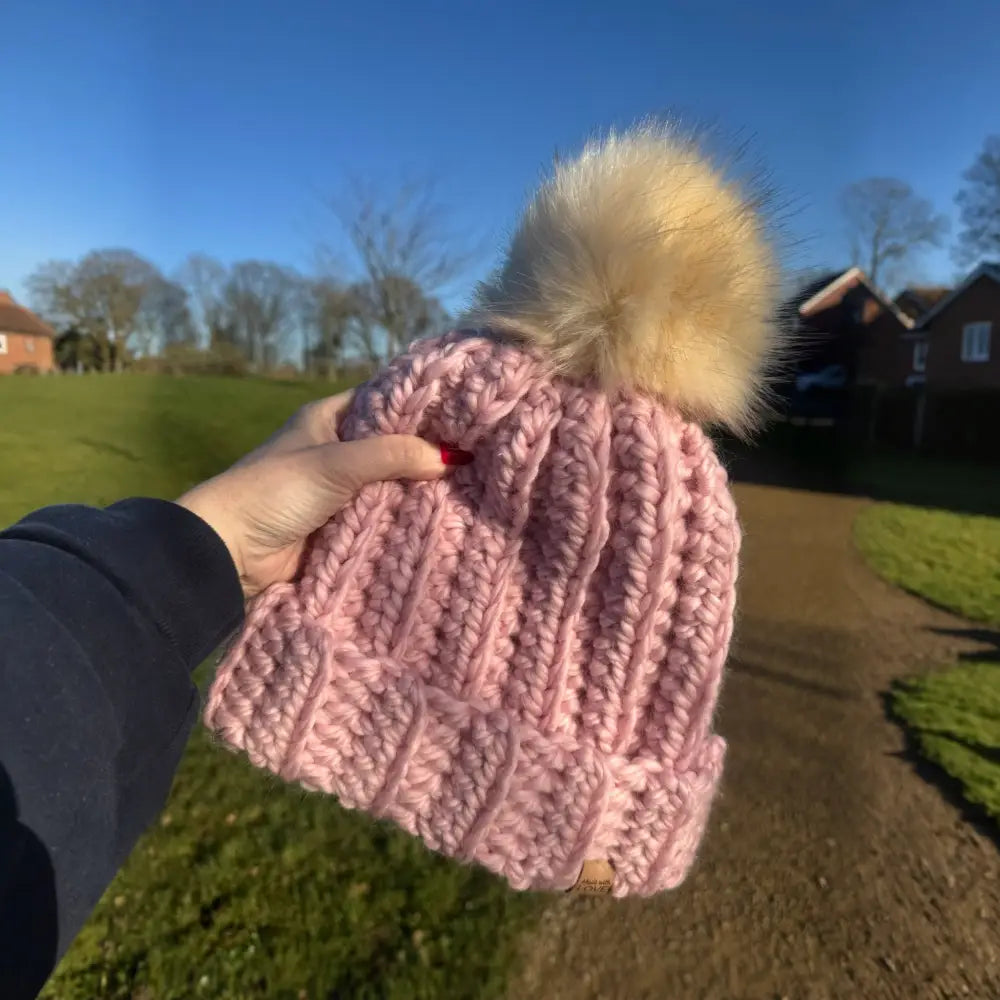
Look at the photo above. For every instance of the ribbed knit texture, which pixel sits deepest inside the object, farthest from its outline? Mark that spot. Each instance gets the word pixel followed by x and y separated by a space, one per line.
pixel 517 663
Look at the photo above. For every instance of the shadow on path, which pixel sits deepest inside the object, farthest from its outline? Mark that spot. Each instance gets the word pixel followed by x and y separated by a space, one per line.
pixel 757 670
pixel 987 637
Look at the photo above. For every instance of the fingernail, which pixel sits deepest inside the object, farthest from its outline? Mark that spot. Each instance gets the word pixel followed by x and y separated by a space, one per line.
pixel 455 456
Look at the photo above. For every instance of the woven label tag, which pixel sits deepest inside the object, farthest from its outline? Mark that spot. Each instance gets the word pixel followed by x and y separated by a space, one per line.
pixel 596 878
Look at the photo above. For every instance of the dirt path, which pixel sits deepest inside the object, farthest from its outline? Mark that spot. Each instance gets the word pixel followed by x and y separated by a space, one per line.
pixel 831 869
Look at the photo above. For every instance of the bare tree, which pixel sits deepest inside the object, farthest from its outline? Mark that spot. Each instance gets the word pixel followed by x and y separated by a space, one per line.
pixel 365 338
pixel 408 257
pixel 330 311
pixel 260 302
pixel 101 296
pixel 888 222
pixel 205 278
pixel 164 318
pixel 392 313
pixel 52 292
pixel 979 207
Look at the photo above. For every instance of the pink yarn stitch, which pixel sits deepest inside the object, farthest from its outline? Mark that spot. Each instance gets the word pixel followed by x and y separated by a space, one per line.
pixel 518 663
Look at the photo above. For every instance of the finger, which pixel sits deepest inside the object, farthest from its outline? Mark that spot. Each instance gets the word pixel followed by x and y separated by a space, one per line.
pixel 337 406
pixel 321 418
pixel 353 464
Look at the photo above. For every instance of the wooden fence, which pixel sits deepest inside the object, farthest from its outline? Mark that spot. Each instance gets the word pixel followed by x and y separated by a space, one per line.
pixel 946 424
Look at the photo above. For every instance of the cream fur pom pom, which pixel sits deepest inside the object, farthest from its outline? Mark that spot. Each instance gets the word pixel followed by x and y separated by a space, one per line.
pixel 640 265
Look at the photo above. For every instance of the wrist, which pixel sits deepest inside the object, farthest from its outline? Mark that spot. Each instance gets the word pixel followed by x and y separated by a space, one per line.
pixel 206 503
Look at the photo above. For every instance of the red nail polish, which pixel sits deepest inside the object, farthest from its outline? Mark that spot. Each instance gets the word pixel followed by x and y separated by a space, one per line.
pixel 455 456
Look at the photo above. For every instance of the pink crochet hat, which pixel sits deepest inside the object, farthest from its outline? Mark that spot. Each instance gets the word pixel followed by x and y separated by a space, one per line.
pixel 519 663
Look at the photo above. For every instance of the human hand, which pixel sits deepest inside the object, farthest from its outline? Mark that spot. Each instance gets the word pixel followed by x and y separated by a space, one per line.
pixel 266 506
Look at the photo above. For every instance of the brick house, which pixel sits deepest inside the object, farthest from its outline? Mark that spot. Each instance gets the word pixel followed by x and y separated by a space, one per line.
pixel 922 370
pixel 842 319
pixel 962 331
pixel 25 341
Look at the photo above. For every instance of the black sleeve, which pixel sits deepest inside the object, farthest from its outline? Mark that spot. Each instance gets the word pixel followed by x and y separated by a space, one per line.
pixel 103 616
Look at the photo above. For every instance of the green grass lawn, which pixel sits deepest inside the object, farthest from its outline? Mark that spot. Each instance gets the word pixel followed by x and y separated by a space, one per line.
pixel 952 560
pixel 245 888
pixel 955 719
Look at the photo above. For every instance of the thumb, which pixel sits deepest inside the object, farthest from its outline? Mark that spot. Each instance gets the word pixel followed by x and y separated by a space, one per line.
pixel 353 464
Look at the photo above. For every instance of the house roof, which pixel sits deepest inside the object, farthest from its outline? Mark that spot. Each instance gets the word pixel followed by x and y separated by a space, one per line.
pixel 841 283
pixel 988 269
pixel 17 319
pixel 920 298
pixel 807 291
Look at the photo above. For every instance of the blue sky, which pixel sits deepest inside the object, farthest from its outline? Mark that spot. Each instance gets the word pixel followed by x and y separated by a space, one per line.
pixel 170 127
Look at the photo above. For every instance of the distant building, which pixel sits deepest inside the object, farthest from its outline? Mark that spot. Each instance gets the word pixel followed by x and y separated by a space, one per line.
pixel 960 329
pixel 921 370
pixel 846 334
pixel 25 341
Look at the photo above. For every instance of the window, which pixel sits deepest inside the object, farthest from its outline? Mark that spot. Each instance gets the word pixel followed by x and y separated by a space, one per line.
pixel 3 343
pixel 976 342
pixel 920 356
pixel 29 344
